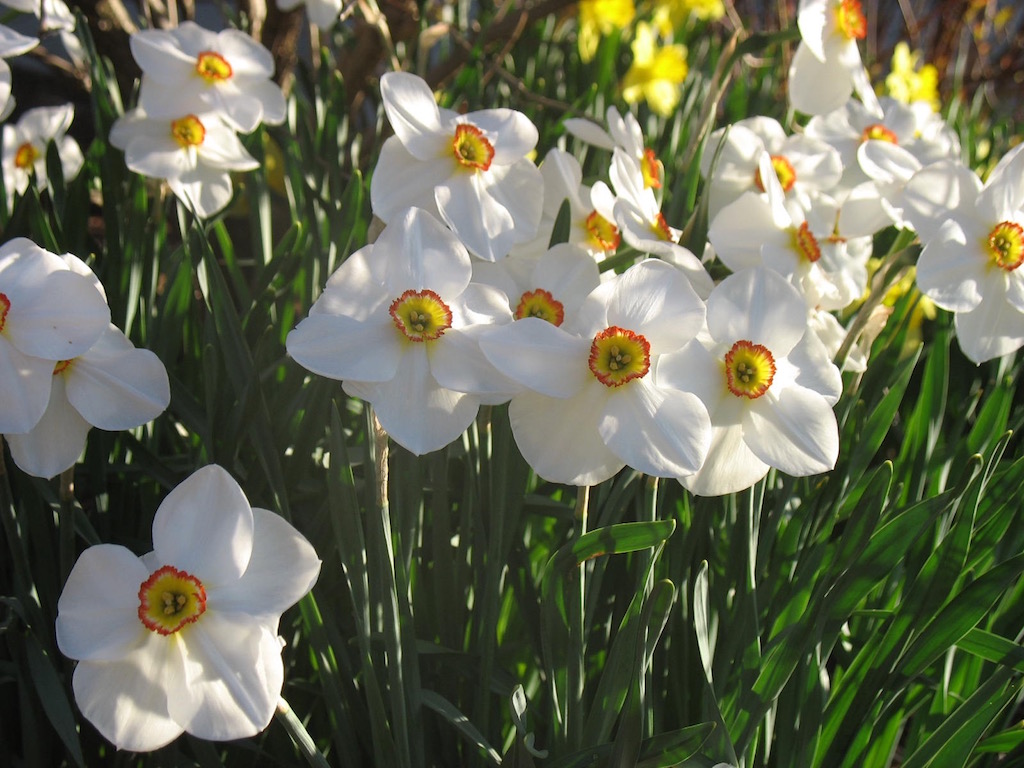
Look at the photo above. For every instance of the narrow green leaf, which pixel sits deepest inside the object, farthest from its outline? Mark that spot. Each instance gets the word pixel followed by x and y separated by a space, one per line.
pixel 53 697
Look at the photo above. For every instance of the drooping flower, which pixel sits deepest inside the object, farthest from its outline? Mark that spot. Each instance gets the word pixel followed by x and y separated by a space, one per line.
pixel 48 313
pixel 398 323
pixel 623 133
pixel 595 397
pixel 656 73
pixel 191 70
pixel 25 143
pixel 970 263
pixel 767 381
pixel 598 18
pixel 11 44
pixel 470 170
pixel 827 66
pixel 184 639
pixel 193 153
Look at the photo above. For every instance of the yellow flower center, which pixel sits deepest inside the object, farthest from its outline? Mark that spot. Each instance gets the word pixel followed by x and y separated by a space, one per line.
pixel 540 303
pixel 749 369
pixel 471 147
pixel 420 315
pixel 618 356
pixel 213 67
pixel 851 20
pixel 169 599
pixel 188 131
pixel 783 169
pixel 1005 245
pixel 61 366
pixel 26 156
pixel 651 169
pixel 5 307
pixel 805 243
pixel 660 228
pixel 878 132
pixel 601 233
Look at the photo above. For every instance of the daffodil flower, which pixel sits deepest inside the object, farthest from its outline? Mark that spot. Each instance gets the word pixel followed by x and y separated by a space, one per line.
pixel 656 72
pixel 184 639
pixel 470 170
pixel 25 143
pixel 768 384
pixel 398 324
pixel 595 399
pixel 11 44
pixel 623 133
pixel 189 70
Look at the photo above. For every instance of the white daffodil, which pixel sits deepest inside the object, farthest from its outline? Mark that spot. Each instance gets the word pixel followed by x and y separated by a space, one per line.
pixel 112 386
pixel 804 246
pixel 970 263
pixel 623 133
pixel 191 70
pixel 398 323
pixel 827 66
pixel 184 639
pixel 595 398
pixel 25 143
pixel 194 153
pixel 11 44
pixel 767 381
pixel 323 13
pixel 471 170
pixel 48 313
pixel 804 165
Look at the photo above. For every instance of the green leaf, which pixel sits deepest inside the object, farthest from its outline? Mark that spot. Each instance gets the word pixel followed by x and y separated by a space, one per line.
pixel 53 697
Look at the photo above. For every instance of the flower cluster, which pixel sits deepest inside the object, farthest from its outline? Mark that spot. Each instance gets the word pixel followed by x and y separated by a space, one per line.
pixel 199 88
pixel 67 367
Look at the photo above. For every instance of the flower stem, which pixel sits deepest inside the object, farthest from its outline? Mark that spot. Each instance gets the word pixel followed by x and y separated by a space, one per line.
pixel 300 736
pixel 66 523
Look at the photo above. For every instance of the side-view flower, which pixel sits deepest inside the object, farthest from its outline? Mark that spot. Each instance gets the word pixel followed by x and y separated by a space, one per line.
pixel 185 637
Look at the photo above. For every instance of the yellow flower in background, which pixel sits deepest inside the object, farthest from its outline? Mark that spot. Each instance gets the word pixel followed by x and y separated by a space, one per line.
pixel 656 72
pixel 601 17
pixel 670 15
pixel 909 81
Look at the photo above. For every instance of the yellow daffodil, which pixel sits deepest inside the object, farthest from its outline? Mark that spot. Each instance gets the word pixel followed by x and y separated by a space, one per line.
pixel 670 15
pixel 656 72
pixel 909 80
pixel 600 17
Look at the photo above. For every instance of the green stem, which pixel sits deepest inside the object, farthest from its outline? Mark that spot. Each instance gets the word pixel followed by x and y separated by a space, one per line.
pixel 575 664
pixel 66 523
pixel 300 736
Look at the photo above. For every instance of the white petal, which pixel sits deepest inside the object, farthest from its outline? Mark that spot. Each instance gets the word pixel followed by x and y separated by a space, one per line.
pixel 937 193
pixel 730 465
pixel 413 114
pixel 661 432
pixel 812 19
pixel 694 369
pixel 206 190
pixel 422 253
pixel 952 273
pixel 539 356
pixel 57 319
pixel 159 55
pixel 559 437
pixel 158 158
pixel 14 43
pixel 116 386
pixel 760 306
pixel 794 431
pixel 815 369
pixel 656 300
pixel 1003 193
pixel 126 699
pixel 589 132
pixel 24 389
pixel 340 347
pixel 400 180
pixel 97 613
pixel 283 567
pixel 57 439
pixel 457 362
pixel 235 673
pixel 247 57
pixel 817 87
pixel 740 230
pixel 514 133
pixel 568 273
pixel 995 328
pixel 204 526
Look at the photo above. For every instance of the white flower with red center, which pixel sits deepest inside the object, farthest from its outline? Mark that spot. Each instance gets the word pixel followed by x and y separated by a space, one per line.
pixel 623 133
pixel 595 398
pixel 970 263
pixel 398 323
pixel 193 70
pixel 112 386
pixel 804 165
pixel 767 381
pixel 470 170
pixel 194 153
pixel 11 44
pixel 185 638
pixel 47 314
pixel 827 66
pixel 551 287
pixel 804 246
pixel 24 148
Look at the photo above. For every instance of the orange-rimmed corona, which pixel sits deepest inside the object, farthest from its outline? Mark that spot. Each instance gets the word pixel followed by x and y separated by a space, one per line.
pixel 26 156
pixel 188 131
pixel 420 315
pixel 601 233
pixel 213 67
pixel 651 170
pixel 618 356
pixel 878 132
pixel 1005 245
pixel 749 369
pixel 783 169
pixel 5 307
pixel 805 243
pixel 850 20
pixel 170 599
pixel 471 148
pixel 540 303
